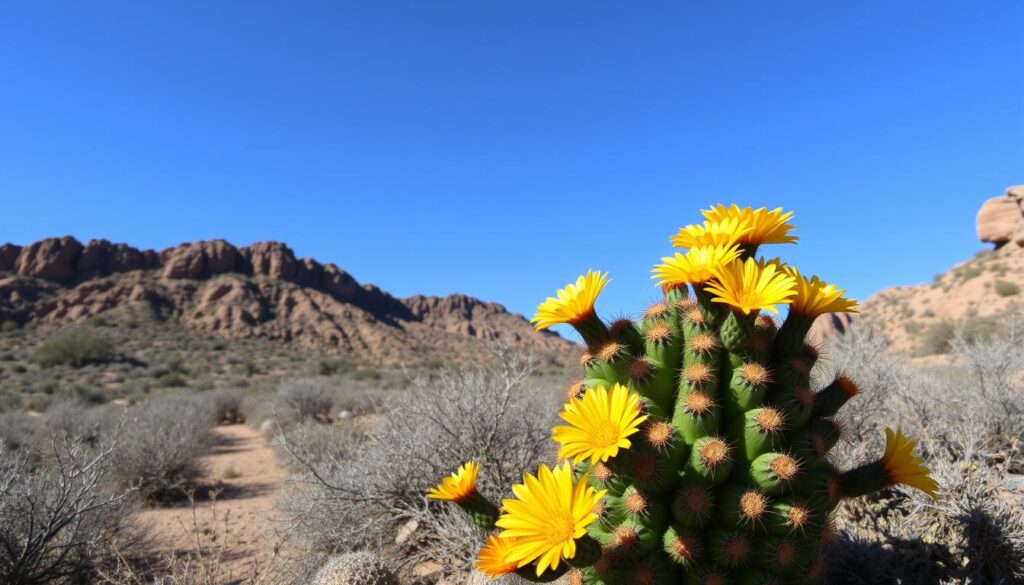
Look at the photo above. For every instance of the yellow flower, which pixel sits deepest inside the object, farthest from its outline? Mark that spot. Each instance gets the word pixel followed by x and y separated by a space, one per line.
pixel 493 557
pixel 752 286
pixel 766 227
pixel 696 266
pixel 816 297
pixel 712 233
pixel 575 302
pixel 546 517
pixel 599 423
pixel 458 486
pixel 903 467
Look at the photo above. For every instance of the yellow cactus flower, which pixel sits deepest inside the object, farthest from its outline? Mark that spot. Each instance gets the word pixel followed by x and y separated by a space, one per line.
pixel 459 486
pixel 903 467
pixel 492 559
pixel 546 516
pixel 600 423
pixel 766 227
pixel 696 266
pixel 712 233
pixel 575 302
pixel 816 297
pixel 750 286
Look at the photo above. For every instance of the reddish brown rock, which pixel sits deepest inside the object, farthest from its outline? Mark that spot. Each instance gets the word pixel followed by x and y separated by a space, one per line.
pixel 8 257
pixel 272 259
pixel 51 259
pixel 258 291
pixel 101 258
pixel 199 260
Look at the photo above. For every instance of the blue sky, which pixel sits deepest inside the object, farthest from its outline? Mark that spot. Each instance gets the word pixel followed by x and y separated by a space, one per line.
pixel 501 148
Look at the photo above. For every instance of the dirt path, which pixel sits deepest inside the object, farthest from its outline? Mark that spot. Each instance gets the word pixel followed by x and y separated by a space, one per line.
pixel 242 467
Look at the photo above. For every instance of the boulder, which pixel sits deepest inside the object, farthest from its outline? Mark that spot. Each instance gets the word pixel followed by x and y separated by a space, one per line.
pixel 1001 219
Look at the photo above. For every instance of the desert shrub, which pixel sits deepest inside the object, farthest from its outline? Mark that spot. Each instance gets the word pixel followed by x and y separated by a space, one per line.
pixel 227 405
pixel 936 338
pixel 992 367
pixel 170 380
pixel 367 374
pixel 8 326
pixel 167 434
pixel 57 520
pixel 1005 288
pixel 9 402
pixel 352 492
pixel 326 367
pixel 967 418
pixel 99 321
pixel 299 400
pixel 19 431
pixel 972 534
pixel 89 424
pixel 75 348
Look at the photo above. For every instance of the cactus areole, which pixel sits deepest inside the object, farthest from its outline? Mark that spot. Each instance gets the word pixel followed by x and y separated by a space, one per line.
pixel 695 446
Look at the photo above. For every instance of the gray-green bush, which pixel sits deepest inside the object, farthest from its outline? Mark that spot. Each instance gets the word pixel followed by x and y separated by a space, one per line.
pixel 75 348
pixel 967 417
pixel 227 405
pixel 304 399
pixel 58 519
pixel 165 435
pixel 1005 288
pixel 353 491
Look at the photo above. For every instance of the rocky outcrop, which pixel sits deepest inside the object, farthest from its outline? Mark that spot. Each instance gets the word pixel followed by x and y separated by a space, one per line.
pixel 1001 219
pixel 256 291
pixel 984 290
pixel 469 316
pixel 100 257
pixel 53 259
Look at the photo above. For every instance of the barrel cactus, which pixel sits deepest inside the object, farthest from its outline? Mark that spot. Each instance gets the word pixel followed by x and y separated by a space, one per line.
pixel 695 446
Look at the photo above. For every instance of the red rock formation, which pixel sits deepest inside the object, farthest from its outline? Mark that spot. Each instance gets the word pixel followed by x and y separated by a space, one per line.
pixel 261 290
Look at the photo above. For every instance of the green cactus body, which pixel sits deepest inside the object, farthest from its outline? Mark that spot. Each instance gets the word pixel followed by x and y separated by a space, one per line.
pixel 727 480
pixel 744 498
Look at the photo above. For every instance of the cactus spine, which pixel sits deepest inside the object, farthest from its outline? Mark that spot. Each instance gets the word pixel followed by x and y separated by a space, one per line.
pixel 726 478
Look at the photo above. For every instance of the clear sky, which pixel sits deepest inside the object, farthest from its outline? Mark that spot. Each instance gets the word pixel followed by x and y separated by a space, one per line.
pixel 501 148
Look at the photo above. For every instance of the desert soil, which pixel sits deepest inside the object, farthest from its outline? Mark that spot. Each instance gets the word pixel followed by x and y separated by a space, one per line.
pixel 242 470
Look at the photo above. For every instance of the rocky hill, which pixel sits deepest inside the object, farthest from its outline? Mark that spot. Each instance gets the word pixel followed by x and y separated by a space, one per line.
pixel 975 296
pixel 260 291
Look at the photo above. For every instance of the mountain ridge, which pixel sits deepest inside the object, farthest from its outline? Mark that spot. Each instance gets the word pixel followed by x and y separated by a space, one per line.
pixel 261 290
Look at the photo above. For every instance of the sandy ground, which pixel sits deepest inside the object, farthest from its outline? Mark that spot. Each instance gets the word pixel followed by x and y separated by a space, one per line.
pixel 242 469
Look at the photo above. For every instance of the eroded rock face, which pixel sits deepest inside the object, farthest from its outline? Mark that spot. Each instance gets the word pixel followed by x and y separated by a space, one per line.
pixel 199 260
pixel 52 259
pixel 256 291
pixel 100 258
pixel 1001 219
pixel 8 257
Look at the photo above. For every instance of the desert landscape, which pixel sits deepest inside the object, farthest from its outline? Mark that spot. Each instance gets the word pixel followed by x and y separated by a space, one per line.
pixel 472 293
pixel 214 415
